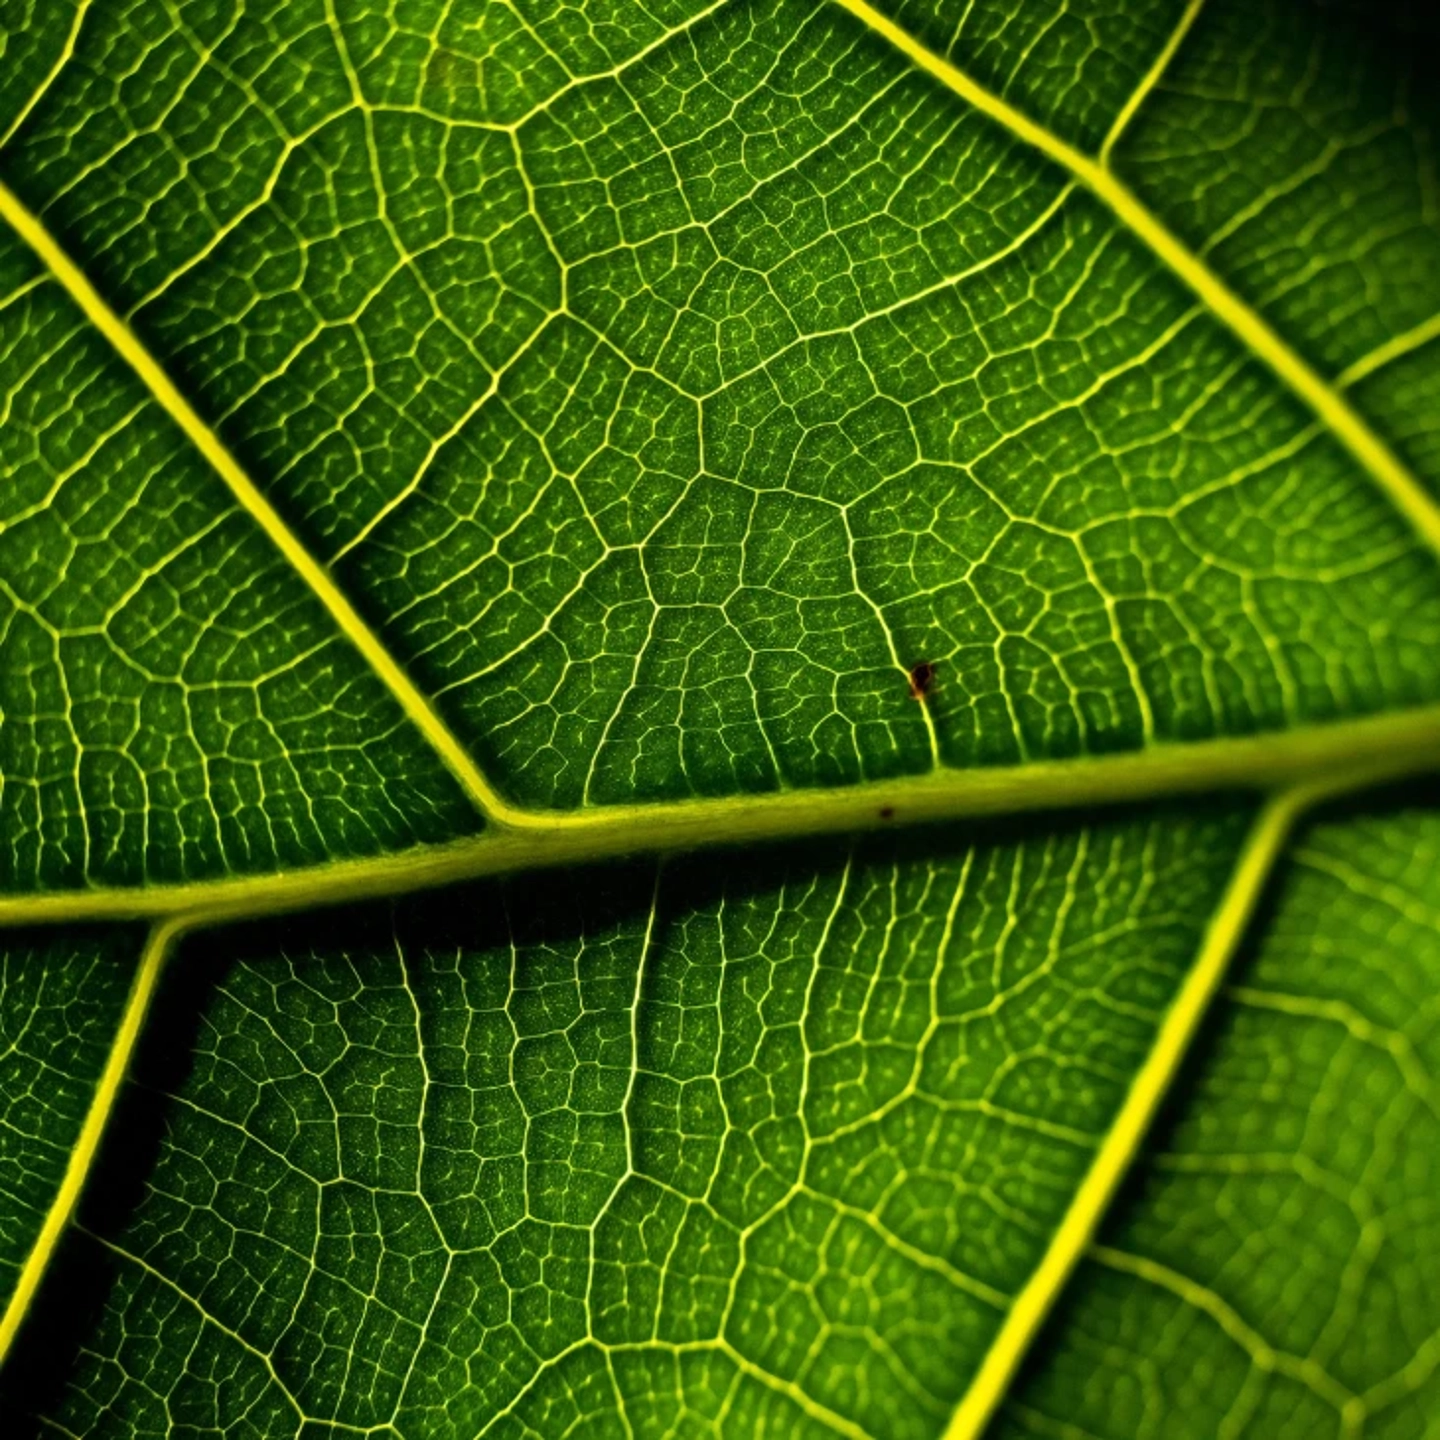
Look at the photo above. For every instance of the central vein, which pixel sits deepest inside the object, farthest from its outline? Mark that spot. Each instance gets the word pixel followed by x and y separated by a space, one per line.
pixel 1333 757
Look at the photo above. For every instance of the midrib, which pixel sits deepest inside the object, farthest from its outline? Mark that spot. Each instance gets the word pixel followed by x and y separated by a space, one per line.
pixel 1338 756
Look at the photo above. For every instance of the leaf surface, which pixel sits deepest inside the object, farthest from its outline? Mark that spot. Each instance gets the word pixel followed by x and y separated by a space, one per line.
pixel 773 1150
pixel 1278 1240
pixel 442 440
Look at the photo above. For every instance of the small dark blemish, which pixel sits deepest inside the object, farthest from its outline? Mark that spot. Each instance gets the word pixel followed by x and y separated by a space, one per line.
pixel 887 812
pixel 922 679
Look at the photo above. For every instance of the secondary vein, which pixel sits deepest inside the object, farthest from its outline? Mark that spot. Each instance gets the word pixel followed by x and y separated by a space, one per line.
pixel 1343 421
pixel 152 375
pixel 92 1131
pixel 1227 928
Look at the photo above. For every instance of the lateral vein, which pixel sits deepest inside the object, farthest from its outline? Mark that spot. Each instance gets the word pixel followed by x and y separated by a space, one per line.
pixel 1343 421
pixel 92 1131
pixel 152 375
pixel 1122 1141
pixel 67 52
pixel 1151 79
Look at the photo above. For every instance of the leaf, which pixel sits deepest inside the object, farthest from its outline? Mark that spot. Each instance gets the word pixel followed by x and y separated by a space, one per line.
pixel 456 441
pixel 62 1002
pixel 1279 1238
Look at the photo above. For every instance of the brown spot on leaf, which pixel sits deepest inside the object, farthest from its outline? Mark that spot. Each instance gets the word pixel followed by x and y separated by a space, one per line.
pixel 922 679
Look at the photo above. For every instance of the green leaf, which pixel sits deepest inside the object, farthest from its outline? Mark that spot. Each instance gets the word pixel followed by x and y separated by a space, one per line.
pixel 1272 1270
pixel 61 1002
pixel 445 441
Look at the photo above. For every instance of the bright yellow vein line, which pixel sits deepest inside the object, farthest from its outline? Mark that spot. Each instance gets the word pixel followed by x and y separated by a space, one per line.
pixel 1158 67
pixel 1393 349
pixel 1358 752
pixel 1344 422
pixel 1117 1150
pixel 87 1143
pixel 208 443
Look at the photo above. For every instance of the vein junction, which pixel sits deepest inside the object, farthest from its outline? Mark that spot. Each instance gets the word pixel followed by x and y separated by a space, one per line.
pixel 676 519
pixel 671 506
pixel 1305 764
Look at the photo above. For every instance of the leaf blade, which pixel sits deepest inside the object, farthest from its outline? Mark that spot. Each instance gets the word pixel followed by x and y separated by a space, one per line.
pixel 861 963
pixel 1338 1192
pixel 665 396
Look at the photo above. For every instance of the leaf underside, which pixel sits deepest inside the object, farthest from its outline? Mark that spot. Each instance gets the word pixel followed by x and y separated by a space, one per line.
pixel 429 425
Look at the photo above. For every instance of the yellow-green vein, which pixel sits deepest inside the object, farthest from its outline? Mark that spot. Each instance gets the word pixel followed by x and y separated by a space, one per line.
pixel 1261 1353
pixel 67 52
pixel 1116 1151
pixel 1344 422
pixel 1150 80
pixel 1358 751
pixel 1396 348
pixel 87 1143
pixel 151 374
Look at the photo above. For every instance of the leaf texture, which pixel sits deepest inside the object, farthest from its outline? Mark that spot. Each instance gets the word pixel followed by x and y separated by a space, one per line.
pixel 471 436
pixel 1272 1271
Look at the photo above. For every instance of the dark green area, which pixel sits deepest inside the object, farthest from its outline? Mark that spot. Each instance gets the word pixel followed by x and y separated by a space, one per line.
pixel 594 1147
pixel 1292 1186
